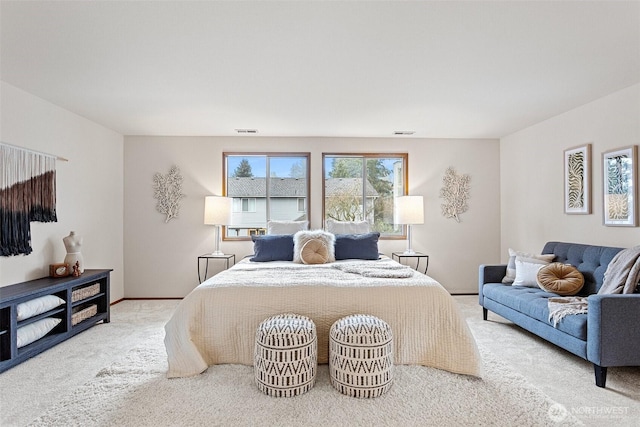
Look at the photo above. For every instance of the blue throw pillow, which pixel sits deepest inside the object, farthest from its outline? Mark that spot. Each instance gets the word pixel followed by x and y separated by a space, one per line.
pixel 276 247
pixel 357 246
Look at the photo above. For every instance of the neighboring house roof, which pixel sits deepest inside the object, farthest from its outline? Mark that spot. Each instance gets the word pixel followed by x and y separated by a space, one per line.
pixel 256 187
pixel 293 187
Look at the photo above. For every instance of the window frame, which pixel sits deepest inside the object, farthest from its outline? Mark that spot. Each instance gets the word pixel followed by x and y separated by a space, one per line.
pixel 268 155
pixel 365 157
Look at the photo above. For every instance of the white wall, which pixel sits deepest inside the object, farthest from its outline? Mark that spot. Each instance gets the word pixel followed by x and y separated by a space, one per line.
pixel 89 187
pixel 160 258
pixel 532 170
pixel 516 195
pixel 521 174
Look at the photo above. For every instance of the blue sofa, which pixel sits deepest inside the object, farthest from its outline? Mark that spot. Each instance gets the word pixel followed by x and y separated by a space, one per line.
pixel 609 335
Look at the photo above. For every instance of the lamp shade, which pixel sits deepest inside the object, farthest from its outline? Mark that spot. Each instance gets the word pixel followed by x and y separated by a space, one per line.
pixel 217 210
pixel 409 210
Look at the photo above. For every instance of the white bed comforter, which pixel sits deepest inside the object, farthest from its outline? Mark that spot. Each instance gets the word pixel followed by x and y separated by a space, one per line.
pixel 216 323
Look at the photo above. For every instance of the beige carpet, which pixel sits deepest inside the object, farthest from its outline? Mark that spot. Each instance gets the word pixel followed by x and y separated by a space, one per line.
pixel 135 392
pixel 33 388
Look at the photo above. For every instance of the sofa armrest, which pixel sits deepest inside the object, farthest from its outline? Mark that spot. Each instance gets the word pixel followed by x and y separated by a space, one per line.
pixel 490 274
pixel 613 330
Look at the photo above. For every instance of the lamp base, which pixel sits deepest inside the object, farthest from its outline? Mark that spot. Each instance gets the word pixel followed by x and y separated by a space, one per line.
pixel 217 251
pixel 409 252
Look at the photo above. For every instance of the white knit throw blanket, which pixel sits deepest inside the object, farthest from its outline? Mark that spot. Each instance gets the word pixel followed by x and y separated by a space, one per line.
pixel 389 271
pixel 622 277
pixel 559 307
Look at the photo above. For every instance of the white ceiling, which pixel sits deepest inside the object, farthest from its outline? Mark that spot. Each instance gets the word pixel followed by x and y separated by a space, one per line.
pixel 320 68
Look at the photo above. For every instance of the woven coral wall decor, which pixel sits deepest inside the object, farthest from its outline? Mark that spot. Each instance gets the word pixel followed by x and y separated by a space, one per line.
pixel 167 189
pixel 455 192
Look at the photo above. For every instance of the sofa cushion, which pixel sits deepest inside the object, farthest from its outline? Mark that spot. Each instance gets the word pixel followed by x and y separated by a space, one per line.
pixel 561 279
pixel 533 303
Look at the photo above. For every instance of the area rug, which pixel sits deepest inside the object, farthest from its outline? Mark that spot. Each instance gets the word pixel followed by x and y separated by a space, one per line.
pixel 134 392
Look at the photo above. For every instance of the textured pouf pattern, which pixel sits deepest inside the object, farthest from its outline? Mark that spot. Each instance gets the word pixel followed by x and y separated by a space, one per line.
pixel 361 356
pixel 286 355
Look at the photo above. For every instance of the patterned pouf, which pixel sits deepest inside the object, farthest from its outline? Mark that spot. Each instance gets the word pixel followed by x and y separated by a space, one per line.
pixel 286 355
pixel 361 356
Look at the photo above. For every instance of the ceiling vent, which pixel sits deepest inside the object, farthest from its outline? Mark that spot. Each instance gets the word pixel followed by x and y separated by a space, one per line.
pixel 404 132
pixel 247 130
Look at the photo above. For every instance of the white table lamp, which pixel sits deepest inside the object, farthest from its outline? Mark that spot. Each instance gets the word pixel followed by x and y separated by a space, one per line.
pixel 409 210
pixel 217 211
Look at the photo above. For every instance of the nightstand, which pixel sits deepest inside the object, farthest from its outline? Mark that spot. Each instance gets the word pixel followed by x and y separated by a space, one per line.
pixel 398 256
pixel 207 257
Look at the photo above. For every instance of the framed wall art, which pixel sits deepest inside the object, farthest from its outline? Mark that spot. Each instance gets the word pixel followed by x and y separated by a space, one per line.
pixel 577 180
pixel 620 185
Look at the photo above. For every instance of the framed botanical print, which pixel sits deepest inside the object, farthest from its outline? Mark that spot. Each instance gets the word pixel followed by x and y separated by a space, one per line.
pixel 620 185
pixel 577 180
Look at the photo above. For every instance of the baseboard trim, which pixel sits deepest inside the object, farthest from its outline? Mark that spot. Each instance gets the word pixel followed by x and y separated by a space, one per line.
pixel 177 298
pixel 147 298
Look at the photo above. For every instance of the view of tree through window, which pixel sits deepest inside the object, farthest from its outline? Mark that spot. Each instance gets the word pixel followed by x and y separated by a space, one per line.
pixel 350 197
pixel 265 187
pixel 243 170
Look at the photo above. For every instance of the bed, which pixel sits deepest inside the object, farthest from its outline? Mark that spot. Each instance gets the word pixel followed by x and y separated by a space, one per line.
pixel 216 322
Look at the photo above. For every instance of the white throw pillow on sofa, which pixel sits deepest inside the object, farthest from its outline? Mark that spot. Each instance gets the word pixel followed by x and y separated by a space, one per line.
pixel 527 271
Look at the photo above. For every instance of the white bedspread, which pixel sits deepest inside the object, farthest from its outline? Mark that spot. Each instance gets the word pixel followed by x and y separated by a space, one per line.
pixel 216 323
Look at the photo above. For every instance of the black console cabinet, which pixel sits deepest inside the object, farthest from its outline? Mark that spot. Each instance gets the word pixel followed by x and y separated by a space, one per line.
pixel 86 302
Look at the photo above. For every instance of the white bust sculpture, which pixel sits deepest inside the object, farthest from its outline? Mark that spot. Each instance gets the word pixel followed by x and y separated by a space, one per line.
pixel 72 244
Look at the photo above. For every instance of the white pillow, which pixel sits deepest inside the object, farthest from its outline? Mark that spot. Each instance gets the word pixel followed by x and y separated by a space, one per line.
pixel 511 265
pixel 527 271
pixel 286 227
pixel 302 237
pixel 36 330
pixel 36 306
pixel 347 227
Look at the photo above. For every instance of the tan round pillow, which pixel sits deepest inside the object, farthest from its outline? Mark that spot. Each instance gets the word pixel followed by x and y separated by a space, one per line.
pixel 561 279
pixel 314 251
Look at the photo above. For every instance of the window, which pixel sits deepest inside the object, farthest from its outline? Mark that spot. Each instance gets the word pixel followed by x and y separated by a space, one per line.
pixel 244 205
pixel 265 186
pixel 348 196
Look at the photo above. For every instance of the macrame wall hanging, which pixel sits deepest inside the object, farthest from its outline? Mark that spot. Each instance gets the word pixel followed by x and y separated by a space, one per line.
pixel 27 193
